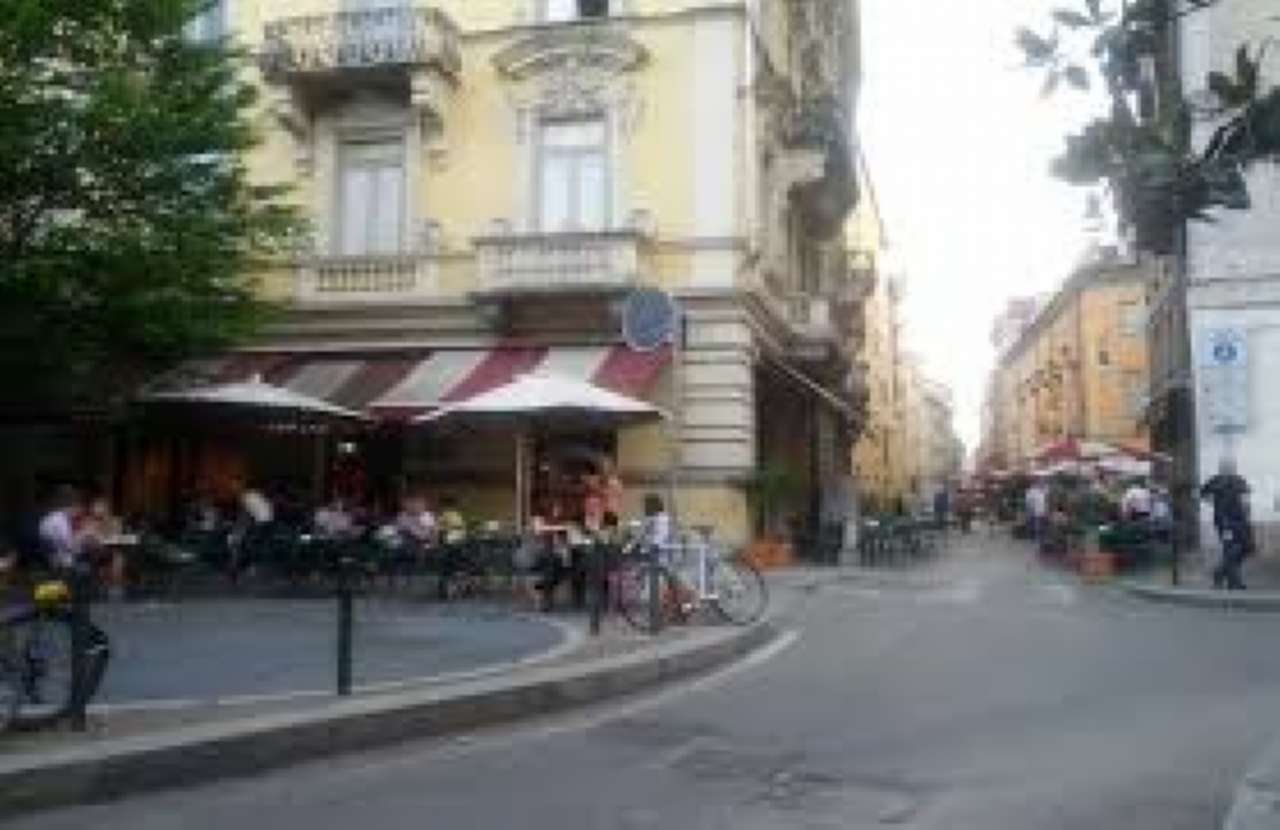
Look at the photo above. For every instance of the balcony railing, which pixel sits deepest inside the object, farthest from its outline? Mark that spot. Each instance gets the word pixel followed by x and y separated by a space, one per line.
pixel 810 314
pixel 373 38
pixel 388 278
pixel 558 262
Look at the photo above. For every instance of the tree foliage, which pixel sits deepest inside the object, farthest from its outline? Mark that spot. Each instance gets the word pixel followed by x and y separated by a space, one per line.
pixel 1143 147
pixel 128 223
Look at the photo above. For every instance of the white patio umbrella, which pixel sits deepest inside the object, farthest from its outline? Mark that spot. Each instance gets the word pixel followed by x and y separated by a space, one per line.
pixel 254 393
pixel 545 398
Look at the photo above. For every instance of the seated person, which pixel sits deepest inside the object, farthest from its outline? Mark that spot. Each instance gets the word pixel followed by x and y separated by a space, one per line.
pixel 334 521
pixel 416 523
pixel 62 530
pixel 101 524
pixel 453 528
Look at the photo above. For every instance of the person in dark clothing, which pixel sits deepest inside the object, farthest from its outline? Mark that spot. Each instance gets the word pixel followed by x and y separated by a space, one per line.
pixel 1229 491
pixel 942 507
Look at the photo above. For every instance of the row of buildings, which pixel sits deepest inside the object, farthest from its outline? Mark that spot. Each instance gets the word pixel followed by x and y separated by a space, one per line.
pixel 1191 332
pixel 908 450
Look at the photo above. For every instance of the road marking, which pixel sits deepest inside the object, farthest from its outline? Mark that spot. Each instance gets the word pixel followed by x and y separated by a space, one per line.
pixel 1064 595
pixel 606 711
pixel 964 592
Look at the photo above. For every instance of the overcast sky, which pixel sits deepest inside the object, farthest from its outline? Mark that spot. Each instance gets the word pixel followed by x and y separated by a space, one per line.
pixel 959 143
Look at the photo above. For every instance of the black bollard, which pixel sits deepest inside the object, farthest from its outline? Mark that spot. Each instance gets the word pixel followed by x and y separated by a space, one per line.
pixel 345 601
pixel 80 587
pixel 596 571
pixel 655 587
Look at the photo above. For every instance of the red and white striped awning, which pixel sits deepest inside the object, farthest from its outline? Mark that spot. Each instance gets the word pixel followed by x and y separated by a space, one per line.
pixel 447 377
pixel 399 385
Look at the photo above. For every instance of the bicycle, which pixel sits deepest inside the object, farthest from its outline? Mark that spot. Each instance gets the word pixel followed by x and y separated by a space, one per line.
pixel 37 685
pixel 688 577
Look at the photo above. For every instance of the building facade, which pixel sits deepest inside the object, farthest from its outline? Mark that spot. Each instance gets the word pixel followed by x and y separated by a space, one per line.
pixel 879 457
pixel 486 181
pixel 1080 370
pixel 1232 294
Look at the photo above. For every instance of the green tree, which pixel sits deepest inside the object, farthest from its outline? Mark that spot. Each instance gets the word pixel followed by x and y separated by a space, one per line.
pixel 1142 149
pixel 129 228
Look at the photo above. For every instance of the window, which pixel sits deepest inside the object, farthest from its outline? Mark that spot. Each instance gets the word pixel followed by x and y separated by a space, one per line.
pixel 573 176
pixel 210 23
pixel 1133 319
pixel 1104 356
pixel 1136 391
pixel 554 11
pixel 371 198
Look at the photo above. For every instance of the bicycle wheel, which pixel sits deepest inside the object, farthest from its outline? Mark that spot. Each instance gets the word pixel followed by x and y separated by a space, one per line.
pixel 740 593
pixel 43 650
pixel 635 582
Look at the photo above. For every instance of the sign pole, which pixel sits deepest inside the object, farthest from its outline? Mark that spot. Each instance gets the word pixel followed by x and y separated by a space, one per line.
pixel 677 419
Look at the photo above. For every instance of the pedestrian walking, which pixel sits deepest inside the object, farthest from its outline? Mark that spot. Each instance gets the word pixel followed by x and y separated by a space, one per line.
pixel 1229 493
pixel 942 507
pixel 1037 504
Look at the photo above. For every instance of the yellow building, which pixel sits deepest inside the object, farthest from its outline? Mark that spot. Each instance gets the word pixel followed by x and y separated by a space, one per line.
pixel 487 179
pixel 880 461
pixel 1080 370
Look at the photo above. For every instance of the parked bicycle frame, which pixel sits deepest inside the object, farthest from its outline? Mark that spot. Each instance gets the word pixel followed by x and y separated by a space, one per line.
pixel 693 575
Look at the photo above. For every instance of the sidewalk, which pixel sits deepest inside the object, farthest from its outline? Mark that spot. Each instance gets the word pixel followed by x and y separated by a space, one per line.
pixel 1195 584
pixel 128 751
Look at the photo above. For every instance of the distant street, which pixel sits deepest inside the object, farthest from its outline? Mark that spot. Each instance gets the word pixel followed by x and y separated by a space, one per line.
pixel 984 694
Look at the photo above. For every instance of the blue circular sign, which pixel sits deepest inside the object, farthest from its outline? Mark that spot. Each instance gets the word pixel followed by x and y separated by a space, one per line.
pixel 649 319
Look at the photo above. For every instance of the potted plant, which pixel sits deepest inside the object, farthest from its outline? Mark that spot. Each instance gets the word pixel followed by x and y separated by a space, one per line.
pixel 769 490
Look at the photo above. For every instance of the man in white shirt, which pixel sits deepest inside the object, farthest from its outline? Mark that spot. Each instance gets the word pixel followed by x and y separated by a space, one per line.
pixel 657 522
pixel 1136 503
pixel 1037 502
pixel 256 506
pixel 333 521
pixel 57 530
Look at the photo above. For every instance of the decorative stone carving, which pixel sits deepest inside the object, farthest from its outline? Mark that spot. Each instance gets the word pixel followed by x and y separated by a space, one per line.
pixel 371 38
pixel 283 105
pixel 573 70
pixel 602 46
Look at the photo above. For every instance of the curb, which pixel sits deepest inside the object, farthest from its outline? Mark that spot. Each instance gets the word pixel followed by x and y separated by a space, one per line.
pixel 1257 799
pixel 1237 600
pixel 201 754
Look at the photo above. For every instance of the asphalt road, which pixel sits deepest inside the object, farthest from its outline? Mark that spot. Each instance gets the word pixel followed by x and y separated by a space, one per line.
pixel 986 695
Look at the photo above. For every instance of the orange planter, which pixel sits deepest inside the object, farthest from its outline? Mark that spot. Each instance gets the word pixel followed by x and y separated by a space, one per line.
pixel 770 554
pixel 1097 567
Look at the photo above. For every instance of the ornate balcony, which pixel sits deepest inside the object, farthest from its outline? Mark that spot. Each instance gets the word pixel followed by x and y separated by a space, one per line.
pixel 394 37
pixel 412 51
pixel 818 156
pixel 812 320
pixel 389 278
pixel 595 262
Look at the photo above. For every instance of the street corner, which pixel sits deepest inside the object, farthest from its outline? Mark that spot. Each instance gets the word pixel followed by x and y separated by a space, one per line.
pixel 1196 597
pixel 38 777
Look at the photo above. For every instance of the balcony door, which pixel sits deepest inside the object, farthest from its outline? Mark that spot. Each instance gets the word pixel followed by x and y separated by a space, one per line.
pixel 371 198
pixel 557 11
pixel 573 176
